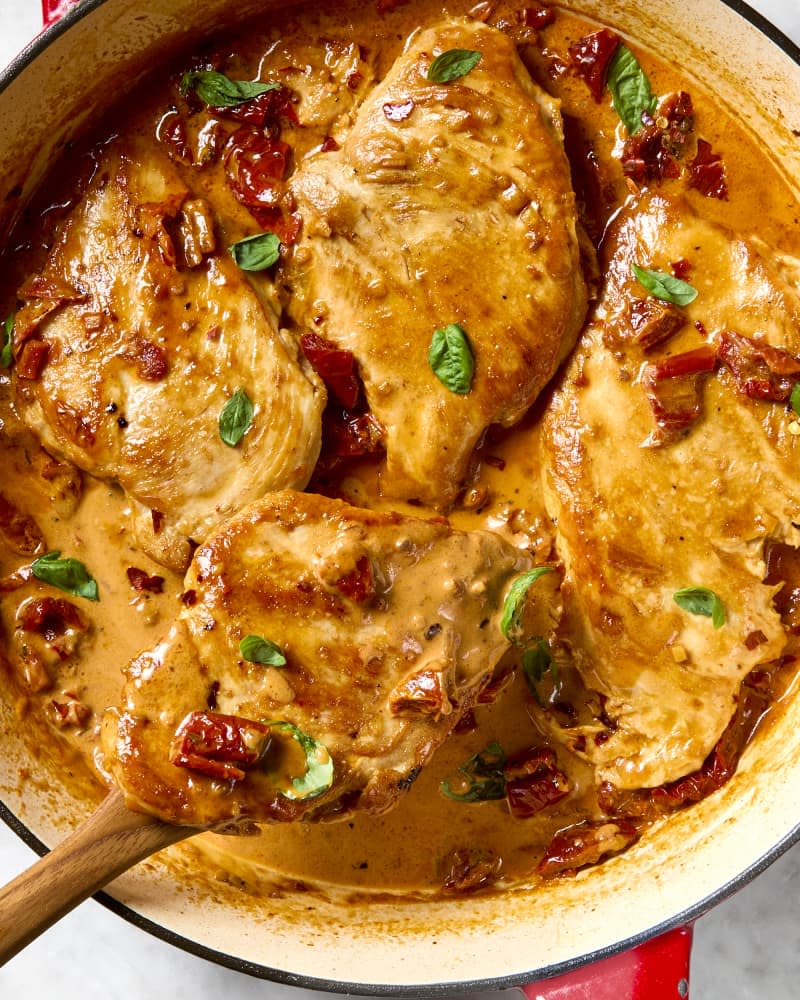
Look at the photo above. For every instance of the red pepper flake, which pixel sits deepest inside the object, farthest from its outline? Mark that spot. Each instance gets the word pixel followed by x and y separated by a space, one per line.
pixel 495 461
pixel 534 782
pixel 157 519
pixel 398 111
pixel 536 16
pixel 329 145
pixel 359 583
pixel 32 359
pixel 708 172
pixel 354 80
pixel 673 387
pixel 140 581
pixel 591 56
pixel 189 598
pixel 759 370
pixel 220 746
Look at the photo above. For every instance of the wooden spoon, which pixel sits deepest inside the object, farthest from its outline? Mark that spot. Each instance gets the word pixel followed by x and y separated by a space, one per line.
pixel 105 845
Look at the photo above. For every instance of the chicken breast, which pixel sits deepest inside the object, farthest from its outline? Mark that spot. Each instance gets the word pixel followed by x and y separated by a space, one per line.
pixel 137 335
pixel 671 456
pixel 322 654
pixel 449 204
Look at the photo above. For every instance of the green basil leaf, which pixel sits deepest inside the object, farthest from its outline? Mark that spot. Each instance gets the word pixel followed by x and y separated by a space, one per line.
pixel 514 603
pixel 794 399
pixel 630 89
pixel 701 601
pixel 453 64
pixel 480 778
pixel 220 91
pixel 318 776
pixel 450 357
pixel 236 418
pixel 256 253
pixel 68 575
pixel 257 649
pixel 665 286
pixel 6 351
pixel 536 661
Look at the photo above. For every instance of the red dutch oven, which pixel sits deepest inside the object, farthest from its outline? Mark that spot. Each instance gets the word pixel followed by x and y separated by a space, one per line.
pixel 617 932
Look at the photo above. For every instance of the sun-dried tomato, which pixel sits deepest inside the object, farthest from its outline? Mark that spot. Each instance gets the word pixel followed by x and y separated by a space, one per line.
pixel 254 164
pixel 673 388
pixel 585 844
pixel 591 56
pixel 469 868
pixel 51 617
pixel 265 111
pixel 151 364
pixel 335 366
pixel 759 370
pixel 707 172
pixel 534 782
pixel 359 583
pixel 423 693
pixel 349 435
pixel 652 322
pixel 220 746
pixel 536 15
pixel 653 152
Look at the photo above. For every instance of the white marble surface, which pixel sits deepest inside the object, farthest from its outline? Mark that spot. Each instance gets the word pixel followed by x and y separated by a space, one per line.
pixel 747 948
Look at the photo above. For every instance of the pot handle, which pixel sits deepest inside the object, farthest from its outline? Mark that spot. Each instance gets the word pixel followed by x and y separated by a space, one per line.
pixel 658 969
pixel 52 10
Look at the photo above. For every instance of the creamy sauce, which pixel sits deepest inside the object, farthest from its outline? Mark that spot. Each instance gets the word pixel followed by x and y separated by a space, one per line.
pixel 411 848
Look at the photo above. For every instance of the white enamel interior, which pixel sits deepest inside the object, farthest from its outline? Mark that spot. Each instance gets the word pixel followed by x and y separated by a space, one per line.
pixel 504 939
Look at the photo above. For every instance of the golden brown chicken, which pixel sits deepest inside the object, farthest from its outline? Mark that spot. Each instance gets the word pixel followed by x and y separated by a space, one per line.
pixel 322 655
pixel 448 208
pixel 136 338
pixel 671 453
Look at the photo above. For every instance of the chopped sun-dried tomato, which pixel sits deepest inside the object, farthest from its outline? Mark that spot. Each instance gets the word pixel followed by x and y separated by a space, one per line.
pixel 673 387
pixel 349 435
pixel 51 617
pixel 760 371
pixel 585 844
pixel 536 15
pixel 221 746
pixel 707 172
pixel 534 782
pixel 591 56
pixel 423 693
pixel 653 152
pixel 652 322
pixel 359 583
pixel 335 366
pixel 140 580
pixel 264 111
pixel 152 364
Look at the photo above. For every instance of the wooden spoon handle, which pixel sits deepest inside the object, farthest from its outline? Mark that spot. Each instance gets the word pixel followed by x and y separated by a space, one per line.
pixel 105 845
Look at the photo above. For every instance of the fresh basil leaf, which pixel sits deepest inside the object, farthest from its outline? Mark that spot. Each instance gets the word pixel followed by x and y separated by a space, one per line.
pixel 6 351
pixel 536 661
pixel 318 776
pixel 257 649
pixel 256 253
pixel 701 601
pixel 630 89
pixel 220 91
pixel 68 575
pixel 453 64
pixel 450 357
pixel 480 778
pixel 514 603
pixel 236 418
pixel 794 399
pixel 665 286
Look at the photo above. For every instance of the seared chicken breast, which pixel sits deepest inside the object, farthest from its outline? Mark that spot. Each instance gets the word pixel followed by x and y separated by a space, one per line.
pixel 137 335
pixel 448 204
pixel 322 654
pixel 671 455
